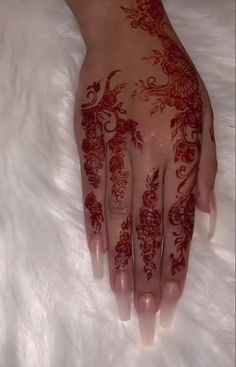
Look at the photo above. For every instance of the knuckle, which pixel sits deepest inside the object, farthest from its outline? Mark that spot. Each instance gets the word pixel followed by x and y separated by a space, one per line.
pixel 117 207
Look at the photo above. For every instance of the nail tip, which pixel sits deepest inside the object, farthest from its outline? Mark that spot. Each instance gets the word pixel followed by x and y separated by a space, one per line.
pixel 97 255
pixel 97 266
pixel 147 325
pixel 123 302
pixel 165 325
pixel 170 297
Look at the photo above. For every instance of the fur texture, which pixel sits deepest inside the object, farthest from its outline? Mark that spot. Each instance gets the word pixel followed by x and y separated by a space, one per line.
pixel 52 313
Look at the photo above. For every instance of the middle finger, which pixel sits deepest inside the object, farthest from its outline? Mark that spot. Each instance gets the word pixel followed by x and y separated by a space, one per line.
pixel 147 213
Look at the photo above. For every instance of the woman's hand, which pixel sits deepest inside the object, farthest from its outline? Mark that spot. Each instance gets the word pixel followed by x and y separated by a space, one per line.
pixel 144 131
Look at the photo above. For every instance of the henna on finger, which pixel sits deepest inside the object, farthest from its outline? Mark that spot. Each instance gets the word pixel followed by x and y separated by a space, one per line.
pixel 102 116
pixel 149 227
pixel 123 248
pixel 95 209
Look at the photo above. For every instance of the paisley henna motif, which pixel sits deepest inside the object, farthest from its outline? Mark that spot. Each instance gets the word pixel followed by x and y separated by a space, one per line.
pixel 182 92
pixel 149 227
pixel 104 114
pixel 124 246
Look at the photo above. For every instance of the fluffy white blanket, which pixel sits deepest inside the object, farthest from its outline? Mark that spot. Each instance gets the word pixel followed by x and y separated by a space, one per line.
pixel 52 313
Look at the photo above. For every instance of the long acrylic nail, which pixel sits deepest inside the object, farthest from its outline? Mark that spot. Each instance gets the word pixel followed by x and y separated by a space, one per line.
pixel 97 255
pixel 169 300
pixel 213 215
pixel 147 318
pixel 123 290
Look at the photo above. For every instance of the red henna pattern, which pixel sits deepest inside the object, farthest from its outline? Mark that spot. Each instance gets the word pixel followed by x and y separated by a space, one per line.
pixel 105 114
pixel 95 209
pixel 182 92
pixel 181 214
pixel 149 227
pixel 99 116
pixel 124 245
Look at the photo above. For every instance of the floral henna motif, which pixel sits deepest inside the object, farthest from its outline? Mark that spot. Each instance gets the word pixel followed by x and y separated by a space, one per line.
pixel 117 146
pixel 149 227
pixel 182 92
pixel 104 114
pixel 124 245
pixel 182 215
pixel 95 209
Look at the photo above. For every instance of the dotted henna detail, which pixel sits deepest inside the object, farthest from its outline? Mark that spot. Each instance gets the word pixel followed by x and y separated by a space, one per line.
pixel 95 209
pixel 182 92
pixel 124 246
pixel 106 127
pixel 149 227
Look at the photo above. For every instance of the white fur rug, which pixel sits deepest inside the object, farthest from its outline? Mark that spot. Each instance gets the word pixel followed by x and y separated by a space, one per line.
pixel 52 313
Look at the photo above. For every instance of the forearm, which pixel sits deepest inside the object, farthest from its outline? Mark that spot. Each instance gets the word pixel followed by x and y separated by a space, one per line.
pixel 104 23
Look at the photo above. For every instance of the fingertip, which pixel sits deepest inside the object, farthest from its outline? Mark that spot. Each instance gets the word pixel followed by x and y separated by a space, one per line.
pixel 147 308
pixel 169 301
pixel 123 289
pixel 202 202
pixel 97 255
pixel 213 215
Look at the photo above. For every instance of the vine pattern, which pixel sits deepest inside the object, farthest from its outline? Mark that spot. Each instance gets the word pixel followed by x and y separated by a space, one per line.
pixel 106 127
pixel 181 91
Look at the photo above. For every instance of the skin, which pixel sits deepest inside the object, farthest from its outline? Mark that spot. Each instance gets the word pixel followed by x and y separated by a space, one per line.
pixel 144 131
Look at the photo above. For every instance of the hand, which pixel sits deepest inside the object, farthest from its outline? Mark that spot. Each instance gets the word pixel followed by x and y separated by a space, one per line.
pixel 144 131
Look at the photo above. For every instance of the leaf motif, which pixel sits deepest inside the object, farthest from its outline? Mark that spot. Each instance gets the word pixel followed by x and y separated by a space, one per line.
pixel 96 87
pixel 181 185
pixel 119 105
pixel 173 122
pixel 156 175
pixel 140 146
pixel 154 110
pixel 173 134
pixel 123 85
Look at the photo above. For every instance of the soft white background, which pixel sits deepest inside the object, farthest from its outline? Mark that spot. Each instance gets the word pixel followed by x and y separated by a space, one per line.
pixel 52 314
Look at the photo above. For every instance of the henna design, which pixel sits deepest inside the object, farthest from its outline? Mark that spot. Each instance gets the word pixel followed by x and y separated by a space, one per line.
pixel 105 114
pixel 181 215
pixel 149 227
pixel 95 209
pixel 181 91
pixel 124 245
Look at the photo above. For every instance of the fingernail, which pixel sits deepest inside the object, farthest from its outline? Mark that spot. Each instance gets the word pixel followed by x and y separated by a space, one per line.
pixel 97 255
pixel 147 318
pixel 213 215
pixel 169 300
pixel 123 294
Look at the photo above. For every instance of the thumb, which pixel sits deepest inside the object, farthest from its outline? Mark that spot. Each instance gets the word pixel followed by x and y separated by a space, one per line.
pixel 205 198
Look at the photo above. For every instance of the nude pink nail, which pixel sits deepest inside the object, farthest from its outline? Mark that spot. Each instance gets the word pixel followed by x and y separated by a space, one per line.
pixel 97 255
pixel 213 215
pixel 123 291
pixel 169 300
pixel 147 308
